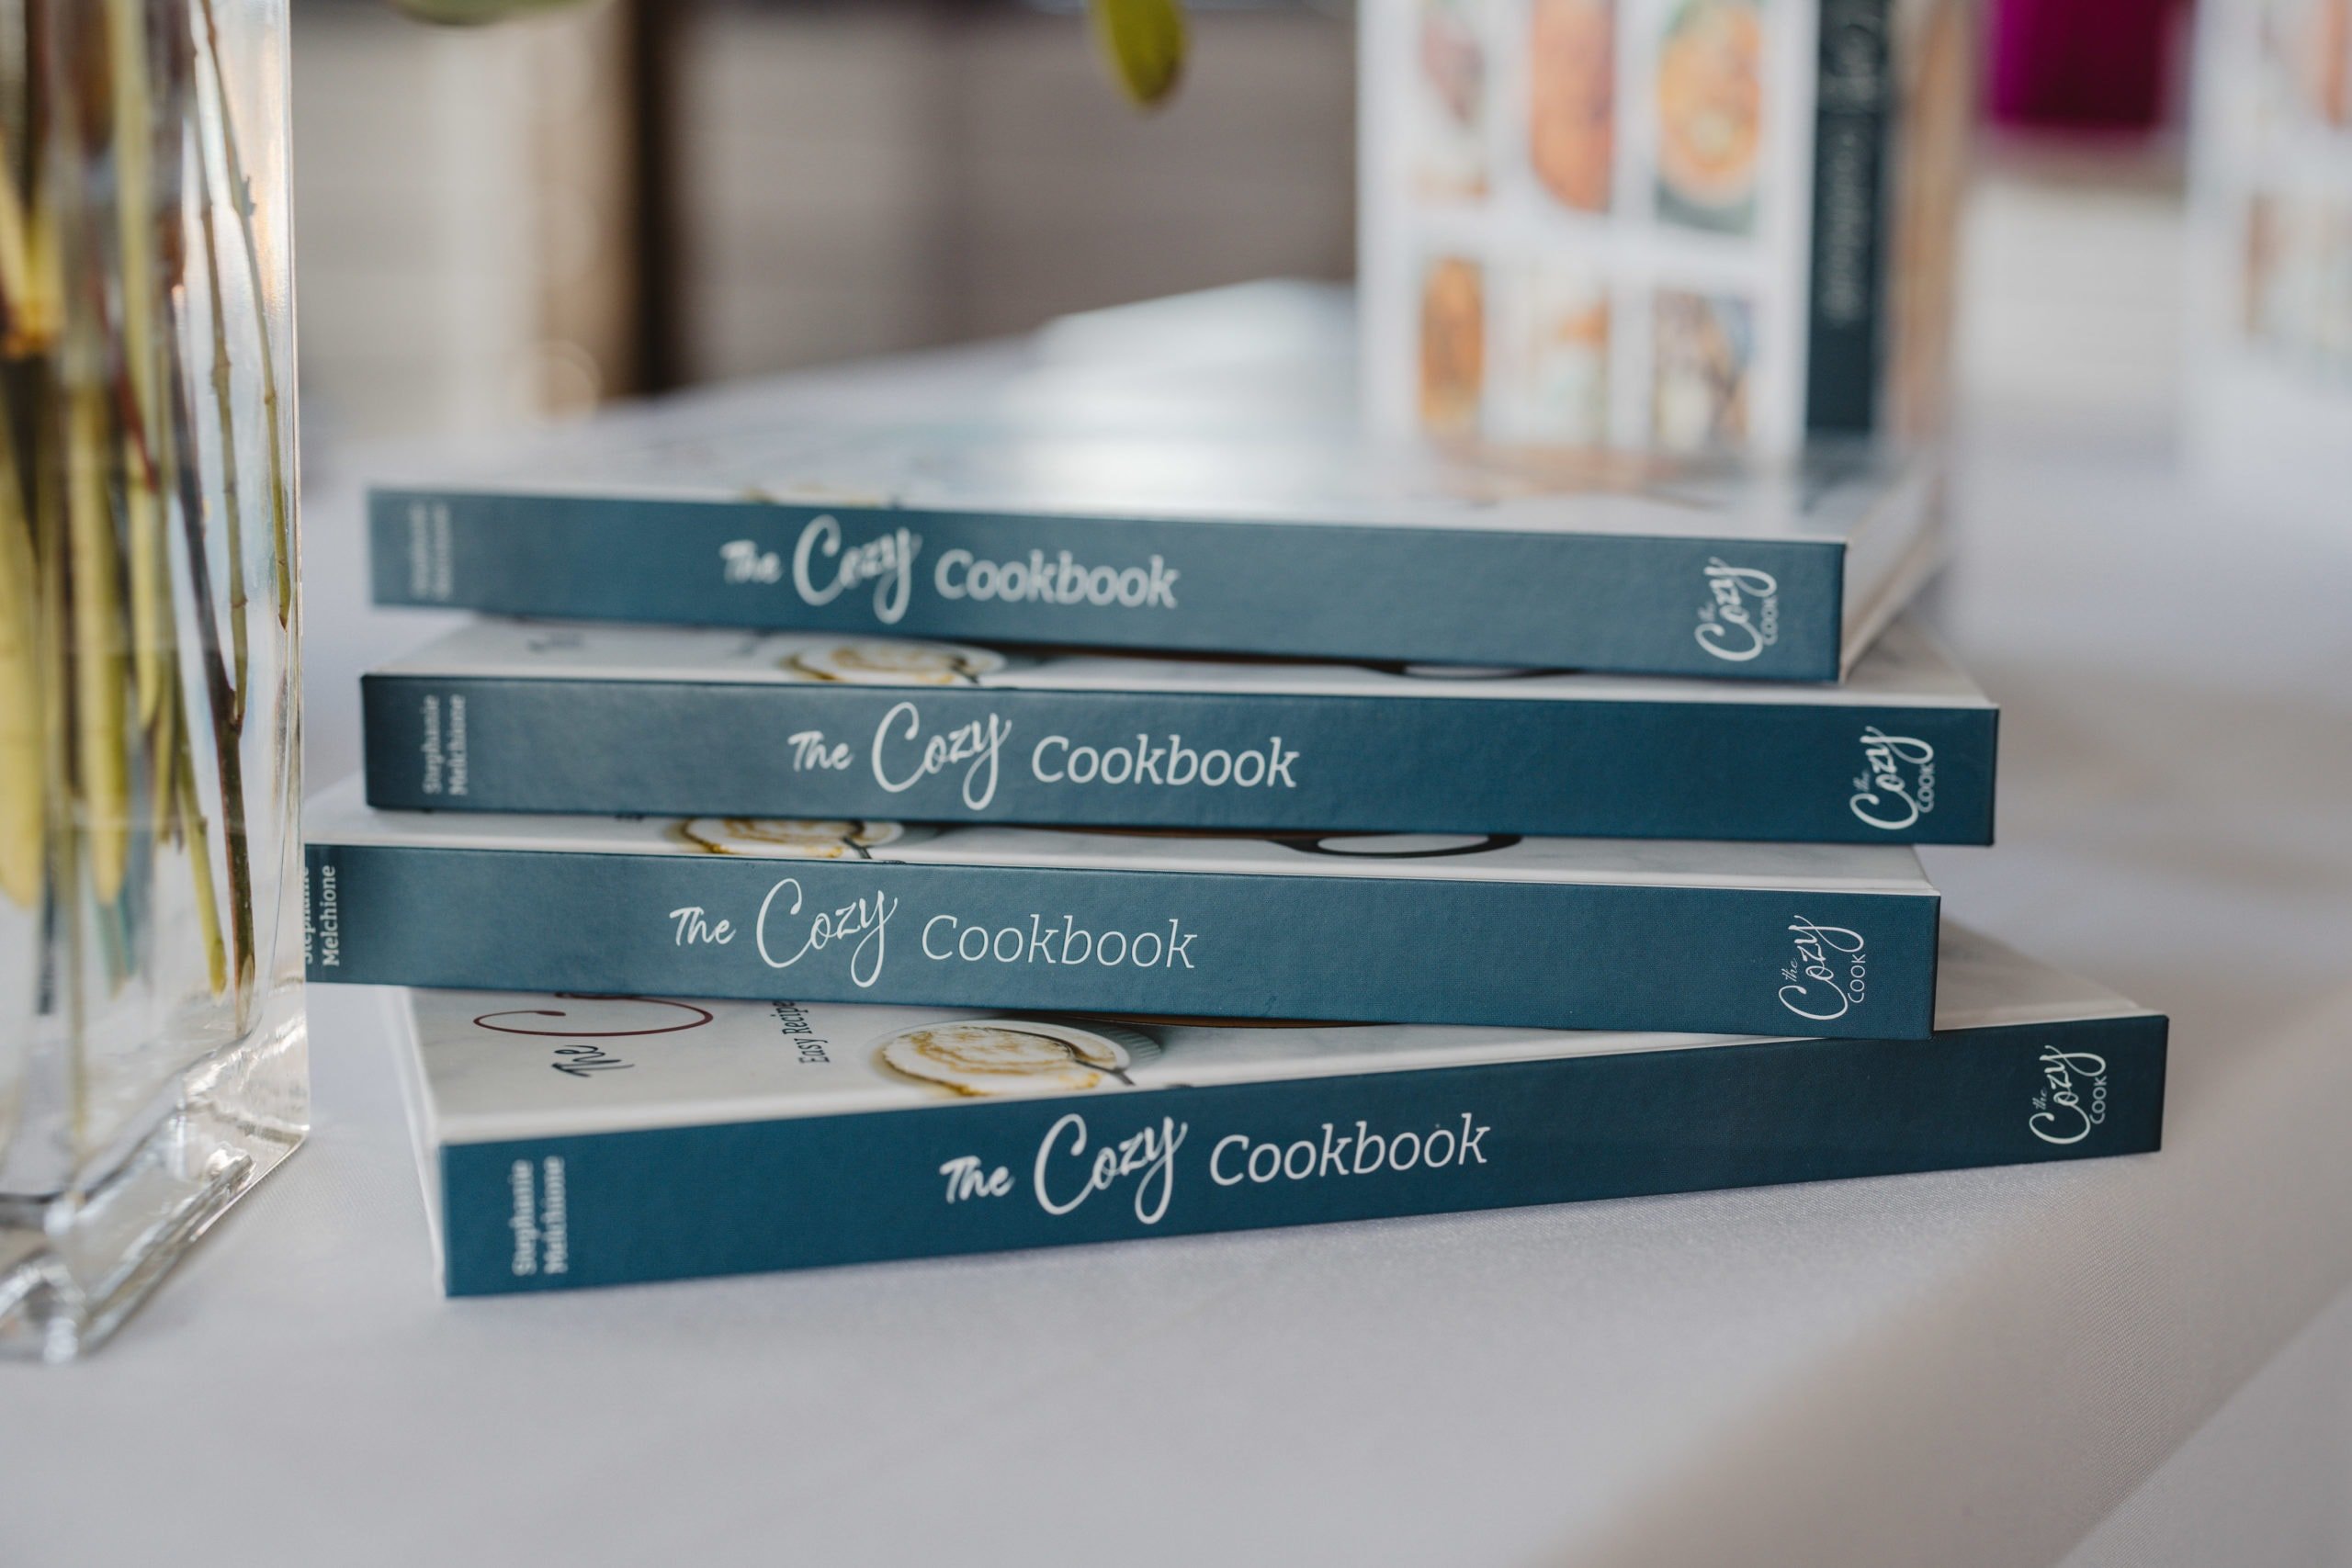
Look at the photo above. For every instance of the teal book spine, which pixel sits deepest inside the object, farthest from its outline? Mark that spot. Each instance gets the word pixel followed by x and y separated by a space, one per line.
pixel 1761 770
pixel 1848 292
pixel 1732 608
pixel 537 1213
pixel 1853 962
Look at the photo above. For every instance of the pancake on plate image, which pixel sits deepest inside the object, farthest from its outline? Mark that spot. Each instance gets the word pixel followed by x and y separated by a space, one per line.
pixel 986 1057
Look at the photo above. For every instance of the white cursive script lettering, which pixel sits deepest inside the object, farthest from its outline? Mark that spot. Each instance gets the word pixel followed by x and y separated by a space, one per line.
pixel 1827 980
pixel 866 919
pixel 1898 783
pixel 2074 1096
pixel 887 560
pixel 1742 616
pixel 743 560
pixel 1149 1154
pixel 978 743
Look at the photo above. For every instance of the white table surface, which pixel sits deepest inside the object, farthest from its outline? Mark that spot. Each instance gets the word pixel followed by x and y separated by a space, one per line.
pixel 1974 1368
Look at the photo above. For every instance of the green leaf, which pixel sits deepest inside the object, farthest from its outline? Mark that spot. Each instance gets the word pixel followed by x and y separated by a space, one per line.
pixel 1144 41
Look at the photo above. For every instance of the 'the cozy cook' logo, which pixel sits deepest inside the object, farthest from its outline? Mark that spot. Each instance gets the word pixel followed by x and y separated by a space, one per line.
pixel 1827 978
pixel 1742 616
pixel 1897 785
pixel 825 566
pixel 2073 1098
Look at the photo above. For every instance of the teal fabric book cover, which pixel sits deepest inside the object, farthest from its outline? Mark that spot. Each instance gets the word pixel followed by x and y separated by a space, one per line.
pixel 532 717
pixel 1586 934
pixel 587 1140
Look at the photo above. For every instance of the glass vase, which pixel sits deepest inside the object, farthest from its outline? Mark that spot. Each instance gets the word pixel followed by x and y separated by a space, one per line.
pixel 152 1049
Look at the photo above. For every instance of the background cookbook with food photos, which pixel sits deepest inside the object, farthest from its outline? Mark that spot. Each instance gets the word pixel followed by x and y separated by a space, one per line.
pixel 1683 224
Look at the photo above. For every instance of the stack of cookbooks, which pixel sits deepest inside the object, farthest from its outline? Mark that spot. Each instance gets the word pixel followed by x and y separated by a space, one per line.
pixel 1064 793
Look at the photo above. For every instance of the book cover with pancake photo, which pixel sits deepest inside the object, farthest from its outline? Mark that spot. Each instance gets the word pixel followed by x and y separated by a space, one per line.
pixel 577 1140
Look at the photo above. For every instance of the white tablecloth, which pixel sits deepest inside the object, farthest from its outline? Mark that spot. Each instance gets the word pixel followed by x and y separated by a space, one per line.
pixel 1974 1368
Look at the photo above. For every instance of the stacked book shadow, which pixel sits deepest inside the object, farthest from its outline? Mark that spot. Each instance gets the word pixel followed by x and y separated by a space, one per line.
pixel 1123 919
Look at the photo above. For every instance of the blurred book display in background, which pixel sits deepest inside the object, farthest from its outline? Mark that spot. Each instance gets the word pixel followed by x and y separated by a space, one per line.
pixel 1680 224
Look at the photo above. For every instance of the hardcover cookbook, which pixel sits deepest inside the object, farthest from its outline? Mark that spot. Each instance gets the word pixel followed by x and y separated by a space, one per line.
pixel 507 716
pixel 1493 929
pixel 1040 507
pixel 587 1140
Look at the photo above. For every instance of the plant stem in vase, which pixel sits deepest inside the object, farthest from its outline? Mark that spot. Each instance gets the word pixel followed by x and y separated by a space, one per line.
pixel 152 1040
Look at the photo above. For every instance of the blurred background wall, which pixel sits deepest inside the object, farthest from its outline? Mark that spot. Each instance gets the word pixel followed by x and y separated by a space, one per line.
pixel 509 225
pixel 504 225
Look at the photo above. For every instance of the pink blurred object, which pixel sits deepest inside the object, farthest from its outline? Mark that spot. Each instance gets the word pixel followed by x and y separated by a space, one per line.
pixel 2083 64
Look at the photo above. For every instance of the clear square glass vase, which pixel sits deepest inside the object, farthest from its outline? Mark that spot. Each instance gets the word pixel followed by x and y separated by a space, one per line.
pixel 152 1046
